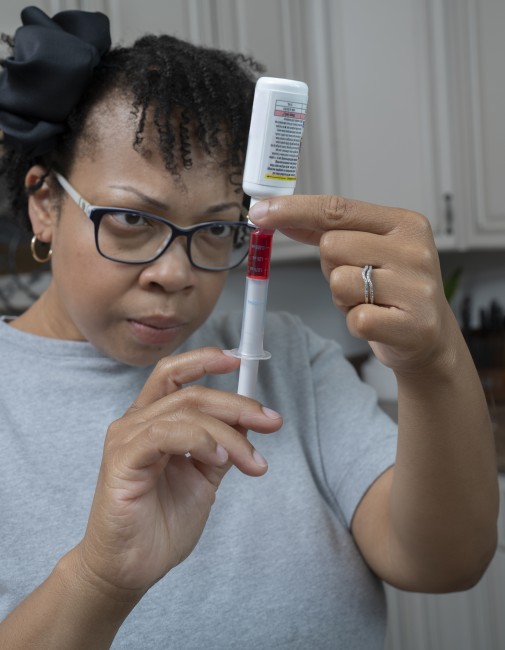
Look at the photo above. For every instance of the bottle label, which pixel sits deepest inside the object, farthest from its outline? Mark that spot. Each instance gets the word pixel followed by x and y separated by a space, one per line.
pixel 285 125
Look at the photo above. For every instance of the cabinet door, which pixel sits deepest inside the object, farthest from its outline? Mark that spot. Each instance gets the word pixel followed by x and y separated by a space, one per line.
pixel 441 622
pixel 497 577
pixel 477 95
pixel 190 19
pixel 391 147
pixel 187 19
pixel 497 589
pixel 10 14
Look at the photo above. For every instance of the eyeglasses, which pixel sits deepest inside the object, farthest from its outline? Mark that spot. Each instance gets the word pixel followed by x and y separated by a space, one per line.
pixel 136 237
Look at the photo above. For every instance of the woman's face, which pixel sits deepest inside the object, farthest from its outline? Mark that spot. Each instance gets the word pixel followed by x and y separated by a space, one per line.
pixel 134 313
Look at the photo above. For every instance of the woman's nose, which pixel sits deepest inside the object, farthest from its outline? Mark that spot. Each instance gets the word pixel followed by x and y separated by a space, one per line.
pixel 172 271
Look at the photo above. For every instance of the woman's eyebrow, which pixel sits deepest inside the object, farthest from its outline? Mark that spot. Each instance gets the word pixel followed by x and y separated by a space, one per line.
pixel 222 207
pixel 147 200
pixel 161 205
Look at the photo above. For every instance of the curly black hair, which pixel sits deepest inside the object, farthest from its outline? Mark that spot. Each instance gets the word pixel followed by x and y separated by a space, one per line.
pixel 197 95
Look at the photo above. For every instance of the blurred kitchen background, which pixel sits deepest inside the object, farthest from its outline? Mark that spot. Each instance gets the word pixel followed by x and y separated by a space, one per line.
pixel 406 108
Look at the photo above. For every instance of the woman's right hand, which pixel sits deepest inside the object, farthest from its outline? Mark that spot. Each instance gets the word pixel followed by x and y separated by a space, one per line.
pixel 152 500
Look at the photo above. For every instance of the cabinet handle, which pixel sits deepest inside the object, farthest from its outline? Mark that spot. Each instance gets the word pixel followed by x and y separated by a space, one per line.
pixel 449 214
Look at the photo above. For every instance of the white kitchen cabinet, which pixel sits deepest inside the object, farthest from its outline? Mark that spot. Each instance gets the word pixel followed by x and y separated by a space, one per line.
pixel 376 89
pixel 406 97
pixel 476 55
pixel 392 106
pixel 10 14
pixel 470 620
pixel 497 600
pixel 374 93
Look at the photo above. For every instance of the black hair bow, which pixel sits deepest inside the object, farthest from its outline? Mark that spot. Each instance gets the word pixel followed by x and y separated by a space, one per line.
pixel 52 64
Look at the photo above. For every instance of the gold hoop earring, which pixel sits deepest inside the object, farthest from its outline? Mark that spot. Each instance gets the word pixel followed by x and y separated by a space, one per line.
pixel 35 255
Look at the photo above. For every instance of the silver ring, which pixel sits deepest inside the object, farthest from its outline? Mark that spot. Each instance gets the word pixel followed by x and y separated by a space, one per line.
pixel 366 274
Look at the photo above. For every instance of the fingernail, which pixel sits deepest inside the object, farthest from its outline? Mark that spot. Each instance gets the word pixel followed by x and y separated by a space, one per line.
pixel 258 459
pixel 258 211
pixel 221 453
pixel 228 353
pixel 270 413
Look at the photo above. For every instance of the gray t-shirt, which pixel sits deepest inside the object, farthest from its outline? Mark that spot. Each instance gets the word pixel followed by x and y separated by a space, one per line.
pixel 276 566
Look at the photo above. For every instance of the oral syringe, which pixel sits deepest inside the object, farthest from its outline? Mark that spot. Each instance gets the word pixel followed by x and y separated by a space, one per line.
pixel 273 149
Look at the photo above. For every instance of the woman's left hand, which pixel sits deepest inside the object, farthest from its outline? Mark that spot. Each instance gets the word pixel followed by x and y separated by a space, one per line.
pixel 409 324
pixel 429 522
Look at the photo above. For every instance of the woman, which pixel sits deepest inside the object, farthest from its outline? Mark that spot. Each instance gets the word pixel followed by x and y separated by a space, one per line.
pixel 114 543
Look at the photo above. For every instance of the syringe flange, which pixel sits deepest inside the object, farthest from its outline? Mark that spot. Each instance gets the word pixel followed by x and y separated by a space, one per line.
pixel 261 356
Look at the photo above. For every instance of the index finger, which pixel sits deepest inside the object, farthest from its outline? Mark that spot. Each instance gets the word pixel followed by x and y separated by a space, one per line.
pixel 298 214
pixel 171 373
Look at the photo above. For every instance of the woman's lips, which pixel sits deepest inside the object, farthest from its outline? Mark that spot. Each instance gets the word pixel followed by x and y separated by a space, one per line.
pixel 156 330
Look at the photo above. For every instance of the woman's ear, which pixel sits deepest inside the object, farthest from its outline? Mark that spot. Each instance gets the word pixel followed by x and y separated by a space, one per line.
pixel 41 208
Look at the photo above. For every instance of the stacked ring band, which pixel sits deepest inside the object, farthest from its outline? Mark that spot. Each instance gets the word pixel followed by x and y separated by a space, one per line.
pixel 366 274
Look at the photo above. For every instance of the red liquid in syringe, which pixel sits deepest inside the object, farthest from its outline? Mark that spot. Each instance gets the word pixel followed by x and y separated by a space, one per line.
pixel 260 250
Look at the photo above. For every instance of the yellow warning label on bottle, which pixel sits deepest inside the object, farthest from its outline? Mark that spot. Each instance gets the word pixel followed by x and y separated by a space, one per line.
pixel 274 177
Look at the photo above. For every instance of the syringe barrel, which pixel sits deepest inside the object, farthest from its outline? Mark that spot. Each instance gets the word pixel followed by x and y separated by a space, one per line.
pixel 253 321
pixel 248 377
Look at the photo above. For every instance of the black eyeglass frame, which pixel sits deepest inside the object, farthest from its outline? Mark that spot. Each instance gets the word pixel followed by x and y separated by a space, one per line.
pixel 95 213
